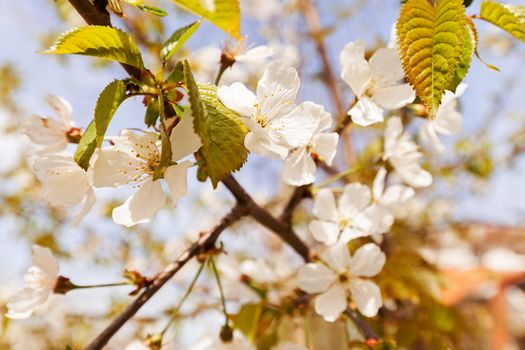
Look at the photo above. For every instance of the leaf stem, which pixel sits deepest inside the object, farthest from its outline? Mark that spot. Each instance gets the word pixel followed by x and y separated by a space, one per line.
pixel 338 176
pixel 186 295
pixel 102 285
pixel 221 291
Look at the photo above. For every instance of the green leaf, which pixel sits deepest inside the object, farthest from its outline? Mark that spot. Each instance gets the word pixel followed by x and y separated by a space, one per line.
pixel 247 319
pixel 107 104
pixel 510 18
pixel 222 132
pixel 177 74
pixel 225 14
pixel 469 46
pixel 430 39
pixel 152 113
pixel 99 41
pixel 86 146
pixel 177 39
pixel 153 10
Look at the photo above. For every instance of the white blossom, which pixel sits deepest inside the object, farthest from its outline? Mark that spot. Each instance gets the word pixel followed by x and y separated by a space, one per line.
pixel 375 83
pixel 276 123
pixel 341 277
pixel 40 281
pixel 403 154
pixel 345 220
pixel 134 158
pixel 51 133
pixel 299 166
pixel 385 200
pixel 64 183
pixel 447 120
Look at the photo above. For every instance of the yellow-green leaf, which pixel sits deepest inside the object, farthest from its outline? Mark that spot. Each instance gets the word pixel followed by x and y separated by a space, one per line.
pixel 430 39
pixel 222 132
pixel 177 39
pixel 107 104
pixel 225 14
pixel 86 147
pixel 510 18
pixel 153 10
pixel 470 45
pixel 99 41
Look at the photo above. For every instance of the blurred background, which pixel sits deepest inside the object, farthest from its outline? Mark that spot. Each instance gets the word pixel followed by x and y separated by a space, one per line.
pixel 469 225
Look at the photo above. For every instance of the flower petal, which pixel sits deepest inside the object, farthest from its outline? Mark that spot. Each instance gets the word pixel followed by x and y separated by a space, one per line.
pixel 315 278
pixel 332 303
pixel 325 146
pixel 176 176
pixel 277 90
pixel 396 195
pixel 324 205
pixel 337 257
pixel 22 304
pixel 46 132
pixel 394 97
pixel 184 141
pixel 413 174
pixel 44 259
pixel 89 201
pixel 324 231
pixel 64 183
pixel 367 261
pixel 299 168
pixel 115 167
pixel 238 98
pixel 366 112
pixel 142 205
pixel 61 107
pixel 355 69
pixel 351 233
pixel 354 199
pixel 392 133
pixel 297 127
pixel 263 146
pixel 367 296
pixel 379 183
pixel 386 67
pixel 256 55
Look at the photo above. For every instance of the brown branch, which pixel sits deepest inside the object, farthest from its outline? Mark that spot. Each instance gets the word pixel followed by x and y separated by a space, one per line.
pixel 263 217
pixel 205 243
pixel 296 198
pixel 316 31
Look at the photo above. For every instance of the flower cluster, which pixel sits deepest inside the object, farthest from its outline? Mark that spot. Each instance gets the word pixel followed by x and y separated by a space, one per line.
pixel 132 158
pixel 279 128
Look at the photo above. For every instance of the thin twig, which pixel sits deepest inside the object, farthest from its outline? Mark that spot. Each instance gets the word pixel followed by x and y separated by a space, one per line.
pixel 205 243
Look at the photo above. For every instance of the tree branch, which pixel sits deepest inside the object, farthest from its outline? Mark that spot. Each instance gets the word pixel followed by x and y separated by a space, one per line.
pixel 205 243
pixel 316 31
pixel 263 217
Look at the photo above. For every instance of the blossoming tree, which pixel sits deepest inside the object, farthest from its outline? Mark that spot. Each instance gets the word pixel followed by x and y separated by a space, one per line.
pixel 340 257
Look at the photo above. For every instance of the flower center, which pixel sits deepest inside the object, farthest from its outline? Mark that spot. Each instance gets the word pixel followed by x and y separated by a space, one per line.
pixel 343 277
pixel 260 118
